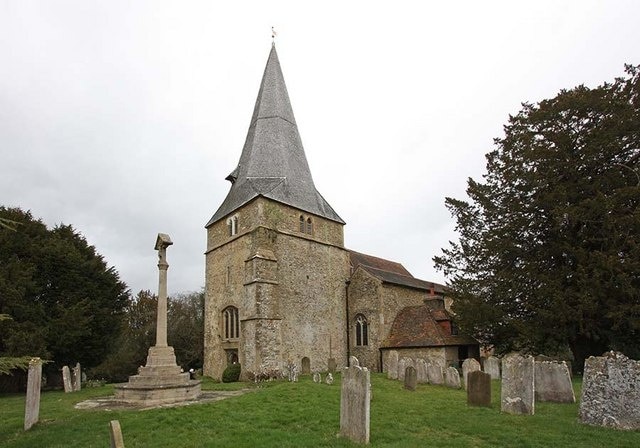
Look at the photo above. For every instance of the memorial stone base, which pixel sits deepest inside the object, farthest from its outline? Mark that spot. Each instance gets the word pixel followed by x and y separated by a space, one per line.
pixel 159 382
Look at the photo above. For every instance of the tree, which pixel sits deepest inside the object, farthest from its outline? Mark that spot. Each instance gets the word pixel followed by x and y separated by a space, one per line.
pixel 548 253
pixel 66 304
pixel 185 333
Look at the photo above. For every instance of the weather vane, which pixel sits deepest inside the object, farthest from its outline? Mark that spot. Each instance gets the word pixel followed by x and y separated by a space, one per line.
pixel 273 35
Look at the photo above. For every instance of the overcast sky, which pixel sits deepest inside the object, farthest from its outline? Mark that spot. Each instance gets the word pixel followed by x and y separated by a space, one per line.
pixel 123 118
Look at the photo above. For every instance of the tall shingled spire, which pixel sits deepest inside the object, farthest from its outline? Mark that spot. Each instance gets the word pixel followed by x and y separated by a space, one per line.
pixel 273 163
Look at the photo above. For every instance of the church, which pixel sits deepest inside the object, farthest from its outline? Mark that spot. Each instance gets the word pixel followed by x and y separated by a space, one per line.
pixel 281 288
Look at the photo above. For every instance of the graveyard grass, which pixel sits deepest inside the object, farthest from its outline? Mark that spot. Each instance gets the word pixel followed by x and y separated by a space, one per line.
pixel 282 414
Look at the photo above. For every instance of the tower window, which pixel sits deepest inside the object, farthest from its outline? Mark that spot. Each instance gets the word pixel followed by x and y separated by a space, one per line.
pixel 231 323
pixel 362 331
pixel 232 225
pixel 306 225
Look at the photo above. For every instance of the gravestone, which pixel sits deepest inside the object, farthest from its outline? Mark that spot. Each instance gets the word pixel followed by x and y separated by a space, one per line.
pixel 353 361
pixel 410 378
pixel 421 371
pixel 317 378
pixel 434 373
pixel 611 392
pixel 468 365
pixel 66 379
pixel 116 434
pixel 479 389
pixel 492 367
pixel 355 403
pixel 518 386
pixel 332 365
pixel 553 382
pixel 329 379
pixel 392 365
pixel 77 378
pixel 293 373
pixel 32 403
pixel 452 378
pixel 402 367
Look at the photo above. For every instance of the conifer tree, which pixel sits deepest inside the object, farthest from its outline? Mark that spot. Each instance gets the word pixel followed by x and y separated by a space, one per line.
pixel 548 253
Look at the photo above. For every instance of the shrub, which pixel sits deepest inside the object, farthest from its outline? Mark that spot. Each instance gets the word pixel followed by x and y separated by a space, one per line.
pixel 231 374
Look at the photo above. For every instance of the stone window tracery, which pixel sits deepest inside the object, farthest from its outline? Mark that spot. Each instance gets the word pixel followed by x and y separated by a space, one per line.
pixel 362 331
pixel 231 323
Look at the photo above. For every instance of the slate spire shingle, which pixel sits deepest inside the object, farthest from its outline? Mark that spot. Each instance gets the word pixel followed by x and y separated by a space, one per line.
pixel 273 163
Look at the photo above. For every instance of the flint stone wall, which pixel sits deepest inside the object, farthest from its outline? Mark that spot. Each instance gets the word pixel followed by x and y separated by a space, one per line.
pixel 392 365
pixel 518 385
pixel 611 392
pixel 553 382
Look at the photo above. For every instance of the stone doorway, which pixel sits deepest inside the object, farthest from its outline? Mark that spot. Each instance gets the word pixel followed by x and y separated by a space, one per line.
pixel 306 365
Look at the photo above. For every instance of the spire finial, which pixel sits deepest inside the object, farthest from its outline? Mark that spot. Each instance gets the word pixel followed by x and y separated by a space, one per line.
pixel 273 35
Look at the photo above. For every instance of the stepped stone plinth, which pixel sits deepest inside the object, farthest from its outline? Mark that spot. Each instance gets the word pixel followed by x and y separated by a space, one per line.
pixel 161 380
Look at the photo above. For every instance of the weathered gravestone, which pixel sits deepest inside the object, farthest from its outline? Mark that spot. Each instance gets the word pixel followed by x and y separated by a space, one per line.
pixel 392 365
pixel 355 403
pixel 468 365
pixel 410 378
pixel 329 378
pixel 553 382
pixel 479 389
pixel 517 395
pixel 492 367
pixel 421 371
pixel 402 367
pixel 77 378
pixel 116 434
pixel 452 378
pixel 317 378
pixel 66 379
pixel 611 392
pixel 32 404
pixel 434 373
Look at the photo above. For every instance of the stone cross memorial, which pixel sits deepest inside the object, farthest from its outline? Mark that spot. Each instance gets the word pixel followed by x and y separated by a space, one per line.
pixel 161 380
pixel 355 401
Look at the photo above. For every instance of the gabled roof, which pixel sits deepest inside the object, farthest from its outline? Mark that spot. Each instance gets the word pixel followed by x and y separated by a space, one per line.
pixel 416 326
pixel 391 272
pixel 273 163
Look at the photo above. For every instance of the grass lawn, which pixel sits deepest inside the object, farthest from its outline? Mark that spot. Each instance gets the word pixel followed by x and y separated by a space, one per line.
pixel 282 414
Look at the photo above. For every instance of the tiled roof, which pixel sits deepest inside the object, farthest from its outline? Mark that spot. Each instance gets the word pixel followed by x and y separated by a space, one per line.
pixel 416 326
pixel 391 272
pixel 358 259
pixel 273 163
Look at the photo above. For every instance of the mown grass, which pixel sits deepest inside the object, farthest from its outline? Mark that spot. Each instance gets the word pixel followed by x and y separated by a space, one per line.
pixel 282 414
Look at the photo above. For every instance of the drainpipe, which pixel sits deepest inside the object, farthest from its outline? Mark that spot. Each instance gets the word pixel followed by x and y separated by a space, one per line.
pixel 348 321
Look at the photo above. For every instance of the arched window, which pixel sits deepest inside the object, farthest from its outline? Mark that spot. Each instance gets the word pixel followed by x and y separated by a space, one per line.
pixel 230 323
pixel 309 226
pixel 232 225
pixel 302 223
pixel 362 331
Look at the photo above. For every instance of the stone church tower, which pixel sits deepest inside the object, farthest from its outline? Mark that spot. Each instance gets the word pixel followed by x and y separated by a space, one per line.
pixel 276 266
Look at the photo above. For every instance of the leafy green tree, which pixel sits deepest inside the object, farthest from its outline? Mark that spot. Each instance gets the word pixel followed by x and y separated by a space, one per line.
pixel 66 304
pixel 185 328
pixel 548 253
